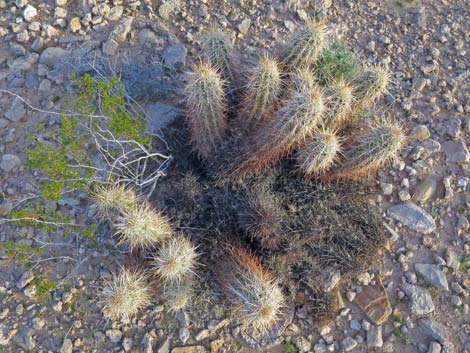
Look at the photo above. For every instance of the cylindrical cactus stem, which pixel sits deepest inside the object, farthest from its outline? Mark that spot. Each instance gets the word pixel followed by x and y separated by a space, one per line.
pixel 338 104
pixel 124 295
pixel 175 260
pixel 319 154
pixel 218 51
pixel 142 227
pixel 206 109
pixel 305 46
pixel 262 92
pixel 369 151
pixel 299 115
pixel 255 295
pixel 369 86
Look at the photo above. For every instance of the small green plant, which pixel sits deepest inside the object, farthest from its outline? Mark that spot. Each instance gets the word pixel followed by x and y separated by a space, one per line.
pixel 20 252
pixel 289 347
pixel 305 46
pixel 206 109
pixel 465 264
pixel 337 62
pixel 44 287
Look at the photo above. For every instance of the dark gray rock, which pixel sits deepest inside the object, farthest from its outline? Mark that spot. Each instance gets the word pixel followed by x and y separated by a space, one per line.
pixel 435 330
pixel 425 189
pixel 175 56
pixel 159 116
pixel 456 151
pixel 433 275
pixel 412 216
pixel 9 162
pixel 16 110
pixel 52 56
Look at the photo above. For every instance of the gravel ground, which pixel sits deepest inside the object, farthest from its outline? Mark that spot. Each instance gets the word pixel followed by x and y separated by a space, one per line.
pixel 425 196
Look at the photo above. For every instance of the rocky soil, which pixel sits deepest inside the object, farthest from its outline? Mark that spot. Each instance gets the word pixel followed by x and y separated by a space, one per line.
pixel 423 304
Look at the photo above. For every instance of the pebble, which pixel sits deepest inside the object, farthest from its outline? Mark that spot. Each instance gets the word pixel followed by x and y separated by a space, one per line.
pixel 114 335
pixel 348 344
pixel 244 26
pixel 355 325
pixel 434 347
pixel 26 277
pixel 424 190
pixel 29 13
pixel 52 56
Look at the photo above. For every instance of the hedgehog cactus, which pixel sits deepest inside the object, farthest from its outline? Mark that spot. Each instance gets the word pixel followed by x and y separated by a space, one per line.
pixel 206 108
pixel 319 154
pixel 112 200
pixel 142 227
pixel 124 295
pixel 179 295
pixel 305 46
pixel 369 151
pixel 175 260
pixel 256 297
pixel 369 86
pixel 299 115
pixel 338 100
pixel 218 51
pixel 262 92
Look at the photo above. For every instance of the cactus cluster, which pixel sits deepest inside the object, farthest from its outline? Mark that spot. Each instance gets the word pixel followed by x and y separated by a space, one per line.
pixel 305 106
pixel 146 230
pixel 295 123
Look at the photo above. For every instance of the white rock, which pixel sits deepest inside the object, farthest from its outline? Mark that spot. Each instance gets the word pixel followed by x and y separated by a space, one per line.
pixel 29 13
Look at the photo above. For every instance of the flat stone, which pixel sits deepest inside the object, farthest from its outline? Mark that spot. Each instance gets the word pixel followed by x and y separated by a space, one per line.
pixel 420 300
pixel 412 216
pixel 435 330
pixel 52 56
pixel 115 13
pixel 167 8
pixel 374 337
pixel 189 349
pixel 175 56
pixel 433 275
pixel 114 335
pixel 456 151
pixel 159 116
pixel 16 110
pixel 373 300
pixel 110 47
pixel 25 279
pixel 425 189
